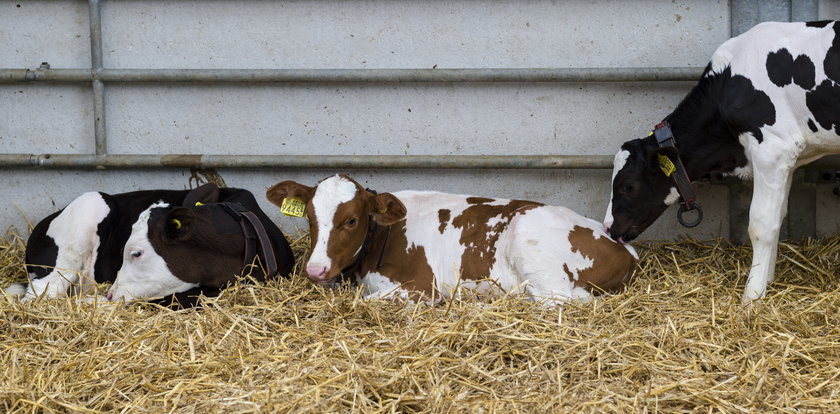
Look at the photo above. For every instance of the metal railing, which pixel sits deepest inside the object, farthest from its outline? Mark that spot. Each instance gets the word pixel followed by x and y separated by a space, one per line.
pixel 652 74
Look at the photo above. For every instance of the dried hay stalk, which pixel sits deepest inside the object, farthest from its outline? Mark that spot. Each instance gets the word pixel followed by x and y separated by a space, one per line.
pixel 676 341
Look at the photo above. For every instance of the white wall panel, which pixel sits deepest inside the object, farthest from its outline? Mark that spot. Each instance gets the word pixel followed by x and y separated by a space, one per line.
pixel 411 33
pixel 35 31
pixel 46 118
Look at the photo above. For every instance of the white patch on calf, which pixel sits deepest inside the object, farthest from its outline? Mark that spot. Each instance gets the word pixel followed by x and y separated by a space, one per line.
pixel 74 233
pixel 541 253
pixel 146 276
pixel 492 221
pixel 672 197
pixel 15 289
pixel 747 140
pixel 378 286
pixel 422 229
pixel 618 163
pixel 329 194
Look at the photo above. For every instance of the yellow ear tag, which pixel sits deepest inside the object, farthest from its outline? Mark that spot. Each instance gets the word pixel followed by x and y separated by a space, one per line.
pixel 198 203
pixel 383 211
pixel 666 165
pixel 177 224
pixel 292 207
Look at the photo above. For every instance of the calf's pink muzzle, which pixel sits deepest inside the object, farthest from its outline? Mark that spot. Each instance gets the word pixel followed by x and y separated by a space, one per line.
pixel 316 272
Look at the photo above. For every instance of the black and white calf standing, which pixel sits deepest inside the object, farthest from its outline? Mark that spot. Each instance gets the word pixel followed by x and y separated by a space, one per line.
pixel 152 244
pixel 768 102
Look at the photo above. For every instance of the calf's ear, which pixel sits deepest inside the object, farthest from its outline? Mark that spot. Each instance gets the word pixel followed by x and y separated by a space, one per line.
pixel 178 223
pixel 386 209
pixel 289 189
pixel 206 193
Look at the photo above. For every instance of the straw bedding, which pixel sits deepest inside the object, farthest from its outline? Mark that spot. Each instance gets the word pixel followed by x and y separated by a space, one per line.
pixel 676 341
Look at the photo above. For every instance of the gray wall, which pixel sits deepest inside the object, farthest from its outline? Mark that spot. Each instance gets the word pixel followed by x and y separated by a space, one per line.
pixel 288 120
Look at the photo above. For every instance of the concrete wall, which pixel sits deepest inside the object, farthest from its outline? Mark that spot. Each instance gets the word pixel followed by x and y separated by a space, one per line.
pixel 289 120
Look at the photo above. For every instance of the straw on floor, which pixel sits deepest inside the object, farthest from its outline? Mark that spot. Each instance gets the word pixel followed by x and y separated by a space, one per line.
pixel 677 340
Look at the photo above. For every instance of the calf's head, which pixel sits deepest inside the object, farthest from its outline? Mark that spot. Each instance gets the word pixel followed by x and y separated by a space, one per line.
pixel 173 249
pixel 339 212
pixel 640 189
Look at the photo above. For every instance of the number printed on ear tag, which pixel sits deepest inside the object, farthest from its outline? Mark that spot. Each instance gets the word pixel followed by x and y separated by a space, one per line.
pixel 666 165
pixel 292 207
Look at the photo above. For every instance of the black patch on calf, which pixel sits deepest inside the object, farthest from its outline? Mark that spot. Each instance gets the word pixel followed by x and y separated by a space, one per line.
pixel 779 67
pixel 819 23
pixel 112 238
pixel 812 125
pixel 744 108
pixel 804 72
pixel 707 70
pixel 41 250
pixel 783 69
pixel 717 111
pixel 831 64
pixel 824 104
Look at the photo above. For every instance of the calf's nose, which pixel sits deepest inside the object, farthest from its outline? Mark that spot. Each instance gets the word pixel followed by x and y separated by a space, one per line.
pixel 110 296
pixel 316 270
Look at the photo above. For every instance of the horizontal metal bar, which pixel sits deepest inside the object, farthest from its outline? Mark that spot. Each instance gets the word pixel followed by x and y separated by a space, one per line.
pixel 142 161
pixel 85 161
pixel 355 75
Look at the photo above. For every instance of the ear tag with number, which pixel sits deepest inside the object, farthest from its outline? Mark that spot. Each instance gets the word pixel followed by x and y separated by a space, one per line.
pixel 292 207
pixel 666 165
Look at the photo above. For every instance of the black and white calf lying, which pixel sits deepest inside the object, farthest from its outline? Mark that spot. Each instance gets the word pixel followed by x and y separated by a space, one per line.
pixel 768 102
pixel 164 244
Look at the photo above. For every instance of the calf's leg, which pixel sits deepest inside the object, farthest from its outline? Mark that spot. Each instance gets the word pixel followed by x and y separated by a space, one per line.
pixel 768 208
pixel 74 232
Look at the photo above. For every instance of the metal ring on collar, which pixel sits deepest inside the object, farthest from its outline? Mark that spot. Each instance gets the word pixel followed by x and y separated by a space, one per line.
pixel 684 209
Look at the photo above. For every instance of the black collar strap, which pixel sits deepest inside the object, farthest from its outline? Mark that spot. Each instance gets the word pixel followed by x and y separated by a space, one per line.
pixel 256 239
pixel 665 138
pixel 372 227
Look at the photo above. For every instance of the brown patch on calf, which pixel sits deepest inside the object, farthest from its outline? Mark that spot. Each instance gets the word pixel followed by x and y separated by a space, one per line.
pixel 402 264
pixel 443 216
pixel 479 200
pixel 479 238
pixel 612 265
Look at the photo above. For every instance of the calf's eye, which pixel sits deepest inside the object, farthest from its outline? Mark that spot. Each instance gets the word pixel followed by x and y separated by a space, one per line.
pixel 136 254
pixel 351 222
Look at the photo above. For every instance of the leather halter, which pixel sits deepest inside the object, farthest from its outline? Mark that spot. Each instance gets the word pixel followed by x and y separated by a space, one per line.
pixel 371 231
pixel 665 138
pixel 257 242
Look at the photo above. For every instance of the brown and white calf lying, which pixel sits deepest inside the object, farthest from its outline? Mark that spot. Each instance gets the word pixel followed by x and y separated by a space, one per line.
pixel 419 245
